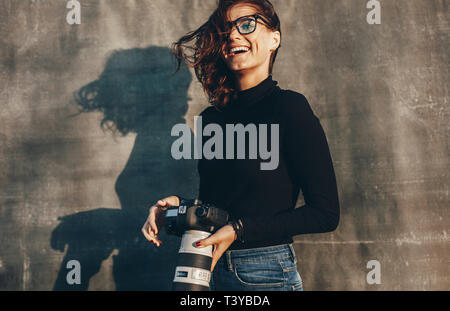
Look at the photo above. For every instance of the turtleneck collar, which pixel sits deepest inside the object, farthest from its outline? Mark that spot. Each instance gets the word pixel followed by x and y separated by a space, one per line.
pixel 246 98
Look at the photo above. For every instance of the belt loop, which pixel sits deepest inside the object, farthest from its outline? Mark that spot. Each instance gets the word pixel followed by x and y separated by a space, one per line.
pixel 292 251
pixel 229 263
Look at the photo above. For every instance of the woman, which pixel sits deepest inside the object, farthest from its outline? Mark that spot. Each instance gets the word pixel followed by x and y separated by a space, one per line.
pixel 233 57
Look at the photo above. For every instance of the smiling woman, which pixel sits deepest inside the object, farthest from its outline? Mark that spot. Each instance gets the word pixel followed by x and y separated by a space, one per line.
pixel 250 26
pixel 233 57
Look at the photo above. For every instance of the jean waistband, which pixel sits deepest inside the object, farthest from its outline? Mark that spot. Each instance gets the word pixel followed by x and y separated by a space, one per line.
pixel 275 252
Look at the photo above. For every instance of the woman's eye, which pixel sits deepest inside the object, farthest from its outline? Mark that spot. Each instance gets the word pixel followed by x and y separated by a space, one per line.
pixel 247 24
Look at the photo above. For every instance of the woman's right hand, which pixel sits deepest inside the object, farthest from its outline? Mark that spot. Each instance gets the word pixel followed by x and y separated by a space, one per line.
pixel 156 218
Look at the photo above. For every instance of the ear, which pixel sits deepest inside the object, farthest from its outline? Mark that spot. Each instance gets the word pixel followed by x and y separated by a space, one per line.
pixel 276 40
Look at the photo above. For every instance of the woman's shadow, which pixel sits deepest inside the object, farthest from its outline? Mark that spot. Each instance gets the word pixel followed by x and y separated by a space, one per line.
pixel 138 93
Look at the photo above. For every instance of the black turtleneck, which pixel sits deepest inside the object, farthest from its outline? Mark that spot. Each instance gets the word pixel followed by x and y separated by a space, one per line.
pixel 265 199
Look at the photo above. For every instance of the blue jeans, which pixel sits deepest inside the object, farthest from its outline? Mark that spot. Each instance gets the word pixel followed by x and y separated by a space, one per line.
pixel 272 268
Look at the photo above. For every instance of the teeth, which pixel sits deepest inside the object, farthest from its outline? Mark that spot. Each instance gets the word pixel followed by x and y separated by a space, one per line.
pixel 239 48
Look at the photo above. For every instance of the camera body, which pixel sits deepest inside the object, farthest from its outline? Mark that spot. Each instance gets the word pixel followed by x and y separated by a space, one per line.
pixel 193 215
pixel 193 221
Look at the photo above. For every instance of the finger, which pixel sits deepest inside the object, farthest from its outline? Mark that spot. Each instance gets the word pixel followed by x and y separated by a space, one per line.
pixel 152 219
pixel 169 201
pixel 217 253
pixel 205 242
pixel 150 236
pixel 146 233
pixel 162 203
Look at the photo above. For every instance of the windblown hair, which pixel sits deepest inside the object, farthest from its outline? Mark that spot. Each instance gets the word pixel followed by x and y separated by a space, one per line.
pixel 206 50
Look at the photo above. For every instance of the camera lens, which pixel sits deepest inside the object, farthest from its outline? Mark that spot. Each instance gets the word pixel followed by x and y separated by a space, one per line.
pixel 201 211
pixel 193 266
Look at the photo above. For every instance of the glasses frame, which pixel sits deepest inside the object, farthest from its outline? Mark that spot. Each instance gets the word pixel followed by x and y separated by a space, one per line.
pixel 255 16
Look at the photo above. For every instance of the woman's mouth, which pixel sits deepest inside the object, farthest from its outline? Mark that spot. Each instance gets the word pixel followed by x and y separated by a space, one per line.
pixel 240 50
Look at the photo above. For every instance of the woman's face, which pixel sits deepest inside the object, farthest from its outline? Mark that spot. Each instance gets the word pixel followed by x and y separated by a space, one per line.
pixel 261 43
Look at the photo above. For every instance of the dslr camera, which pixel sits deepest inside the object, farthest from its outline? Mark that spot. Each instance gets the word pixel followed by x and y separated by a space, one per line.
pixel 193 221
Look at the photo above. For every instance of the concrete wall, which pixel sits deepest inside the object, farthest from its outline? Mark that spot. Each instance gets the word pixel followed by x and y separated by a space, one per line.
pixel 69 190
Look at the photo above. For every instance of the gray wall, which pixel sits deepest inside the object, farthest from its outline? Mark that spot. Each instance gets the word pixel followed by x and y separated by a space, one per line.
pixel 380 91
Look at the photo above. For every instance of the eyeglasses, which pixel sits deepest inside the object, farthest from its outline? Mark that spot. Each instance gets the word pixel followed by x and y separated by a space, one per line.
pixel 246 24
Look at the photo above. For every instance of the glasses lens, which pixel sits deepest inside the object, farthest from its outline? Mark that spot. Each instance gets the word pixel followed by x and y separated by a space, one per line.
pixel 246 25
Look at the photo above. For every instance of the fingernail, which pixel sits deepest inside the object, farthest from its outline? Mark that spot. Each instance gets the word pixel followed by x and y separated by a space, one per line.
pixel 197 244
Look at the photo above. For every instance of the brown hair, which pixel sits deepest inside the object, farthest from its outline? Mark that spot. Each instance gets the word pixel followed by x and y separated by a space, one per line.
pixel 206 58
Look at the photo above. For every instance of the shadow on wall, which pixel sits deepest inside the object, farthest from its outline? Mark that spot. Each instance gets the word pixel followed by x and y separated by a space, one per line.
pixel 138 93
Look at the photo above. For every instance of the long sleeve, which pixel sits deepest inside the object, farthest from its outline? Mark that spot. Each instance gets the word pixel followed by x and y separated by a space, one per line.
pixel 310 167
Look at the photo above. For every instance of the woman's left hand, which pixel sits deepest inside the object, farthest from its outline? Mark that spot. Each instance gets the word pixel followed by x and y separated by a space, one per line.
pixel 221 240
